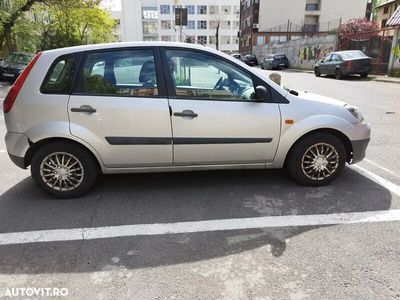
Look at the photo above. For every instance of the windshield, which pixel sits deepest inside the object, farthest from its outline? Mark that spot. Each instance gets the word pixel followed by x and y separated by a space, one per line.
pixel 19 58
pixel 353 54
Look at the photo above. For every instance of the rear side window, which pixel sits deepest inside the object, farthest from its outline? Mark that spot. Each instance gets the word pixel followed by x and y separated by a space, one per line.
pixel 119 73
pixel 60 76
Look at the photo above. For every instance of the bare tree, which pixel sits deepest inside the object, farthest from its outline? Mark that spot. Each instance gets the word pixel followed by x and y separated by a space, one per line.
pixel 218 18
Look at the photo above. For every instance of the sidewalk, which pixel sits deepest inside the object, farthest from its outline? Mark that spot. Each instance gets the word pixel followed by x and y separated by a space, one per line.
pixel 379 78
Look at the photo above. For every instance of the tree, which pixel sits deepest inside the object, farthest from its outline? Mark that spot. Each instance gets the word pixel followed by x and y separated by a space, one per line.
pixel 57 23
pixel 359 28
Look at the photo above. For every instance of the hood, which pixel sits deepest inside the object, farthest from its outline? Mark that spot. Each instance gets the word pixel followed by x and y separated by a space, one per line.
pixel 320 98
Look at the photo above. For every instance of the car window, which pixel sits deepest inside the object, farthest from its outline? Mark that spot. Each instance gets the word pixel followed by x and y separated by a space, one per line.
pixel 60 76
pixel 327 58
pixel 335 57
pixel 203 76
pixel 120 73
pixel 277 57
pixel 19 58
pixel 353 54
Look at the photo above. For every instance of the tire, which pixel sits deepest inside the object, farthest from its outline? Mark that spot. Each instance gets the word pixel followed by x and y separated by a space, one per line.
pixel 262 66
pixel 338 74
pixel 317 72
pixel 303 169
pixel 364 75
pixel 48 160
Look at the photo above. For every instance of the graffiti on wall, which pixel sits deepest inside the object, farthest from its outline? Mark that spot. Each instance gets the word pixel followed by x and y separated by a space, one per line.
pixel 309 53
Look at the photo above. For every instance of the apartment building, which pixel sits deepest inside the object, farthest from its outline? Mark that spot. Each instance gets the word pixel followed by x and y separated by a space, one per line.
pixel 310 16
pixel 154 20
pixel 385 10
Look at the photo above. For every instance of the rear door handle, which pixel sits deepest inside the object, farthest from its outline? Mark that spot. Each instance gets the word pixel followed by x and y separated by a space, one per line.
pixel 84 108
pixel 187 114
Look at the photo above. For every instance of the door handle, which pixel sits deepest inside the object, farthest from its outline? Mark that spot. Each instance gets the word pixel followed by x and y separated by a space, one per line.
pixel 84 108
pixel 187 114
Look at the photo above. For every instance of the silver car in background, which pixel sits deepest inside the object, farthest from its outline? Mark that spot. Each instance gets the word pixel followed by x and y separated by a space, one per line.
pixel 77 112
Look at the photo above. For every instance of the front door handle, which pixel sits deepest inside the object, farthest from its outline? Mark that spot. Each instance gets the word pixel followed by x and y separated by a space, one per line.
pixel 84 108
pixel 186 114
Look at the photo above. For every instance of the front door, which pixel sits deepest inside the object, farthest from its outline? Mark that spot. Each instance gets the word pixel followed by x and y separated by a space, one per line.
pixel 215 119
pixel 119 109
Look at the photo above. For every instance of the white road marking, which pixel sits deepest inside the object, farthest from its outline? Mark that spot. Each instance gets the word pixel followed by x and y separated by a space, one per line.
pixel 382 168
pixel 394 188
pixel 80 234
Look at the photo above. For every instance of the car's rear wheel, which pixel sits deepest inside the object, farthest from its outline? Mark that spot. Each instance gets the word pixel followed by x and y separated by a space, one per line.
pixel 364 75
pixel 338 74
pixel 64 170
pixel 316 159
pixel 317 72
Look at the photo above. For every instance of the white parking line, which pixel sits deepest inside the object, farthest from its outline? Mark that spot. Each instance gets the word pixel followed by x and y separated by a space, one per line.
pixel 394 188
pixel 80 234
pixel 382 168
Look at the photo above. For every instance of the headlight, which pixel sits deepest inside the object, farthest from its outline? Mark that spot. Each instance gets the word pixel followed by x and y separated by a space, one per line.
pixel 355 112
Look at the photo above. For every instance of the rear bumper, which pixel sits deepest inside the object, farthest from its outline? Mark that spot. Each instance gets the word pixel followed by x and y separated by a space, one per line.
pixel 359 150
pixel 17 145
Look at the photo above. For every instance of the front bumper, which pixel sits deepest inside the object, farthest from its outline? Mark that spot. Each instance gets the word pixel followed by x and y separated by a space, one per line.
pixel 359 150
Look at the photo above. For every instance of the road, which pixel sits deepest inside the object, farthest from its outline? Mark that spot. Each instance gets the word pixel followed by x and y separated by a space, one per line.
pixel 341 241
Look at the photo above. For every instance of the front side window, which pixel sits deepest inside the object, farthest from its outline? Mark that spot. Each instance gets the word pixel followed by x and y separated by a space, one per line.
pixel 119 73
pixel 197 75
pixel 60 76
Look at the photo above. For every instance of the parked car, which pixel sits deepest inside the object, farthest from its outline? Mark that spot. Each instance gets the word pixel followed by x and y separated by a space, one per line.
pixel 344 63
pixel 275 61
pixel 76 112
pixel 237 56
pixel 250 60
pixel 12 66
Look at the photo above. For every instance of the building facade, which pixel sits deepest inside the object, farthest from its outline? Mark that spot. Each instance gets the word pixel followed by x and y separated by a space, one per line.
pixel 385 10
pixel 284 16
pixel 154 20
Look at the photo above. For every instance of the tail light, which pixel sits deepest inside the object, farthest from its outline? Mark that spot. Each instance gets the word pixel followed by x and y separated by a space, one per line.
pixel 348 64
pixel 14 91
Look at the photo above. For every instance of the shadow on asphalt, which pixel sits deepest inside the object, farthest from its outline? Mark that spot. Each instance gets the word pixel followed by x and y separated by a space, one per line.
pixel 170 197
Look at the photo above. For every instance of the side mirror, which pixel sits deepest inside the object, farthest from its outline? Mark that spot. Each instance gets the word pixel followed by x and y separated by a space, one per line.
pixel 261 94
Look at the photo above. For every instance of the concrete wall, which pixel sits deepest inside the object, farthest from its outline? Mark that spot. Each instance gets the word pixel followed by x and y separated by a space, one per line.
pixel 302 53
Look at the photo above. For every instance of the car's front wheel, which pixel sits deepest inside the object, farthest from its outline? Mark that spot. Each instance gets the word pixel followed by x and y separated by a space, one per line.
pixel 64 170
pixel 364 75
pixel 316 159
pixel 317 72
pixel 338 74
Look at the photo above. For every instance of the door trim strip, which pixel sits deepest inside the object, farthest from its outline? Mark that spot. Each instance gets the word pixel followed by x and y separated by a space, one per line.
pixel 120 140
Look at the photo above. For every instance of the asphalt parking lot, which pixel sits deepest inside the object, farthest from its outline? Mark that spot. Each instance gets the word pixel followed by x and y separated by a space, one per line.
pixel 147 236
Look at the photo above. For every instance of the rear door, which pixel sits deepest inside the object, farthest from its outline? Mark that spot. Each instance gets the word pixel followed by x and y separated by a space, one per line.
pixel 214 117
pixel 119 106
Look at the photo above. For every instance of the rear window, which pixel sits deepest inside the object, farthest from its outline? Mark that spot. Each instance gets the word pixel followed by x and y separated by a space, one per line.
pixel 60 76
pixel 279 56
pixel 353 54
pixel 19 58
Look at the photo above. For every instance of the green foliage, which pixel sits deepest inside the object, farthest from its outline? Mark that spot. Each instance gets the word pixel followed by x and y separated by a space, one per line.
pixel 396 50
pixel 49 24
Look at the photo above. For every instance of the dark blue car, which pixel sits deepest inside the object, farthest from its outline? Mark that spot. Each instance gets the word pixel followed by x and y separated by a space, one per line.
pixel 12 66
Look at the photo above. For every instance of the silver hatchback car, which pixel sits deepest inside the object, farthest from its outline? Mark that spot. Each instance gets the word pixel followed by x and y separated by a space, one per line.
pixel 77 112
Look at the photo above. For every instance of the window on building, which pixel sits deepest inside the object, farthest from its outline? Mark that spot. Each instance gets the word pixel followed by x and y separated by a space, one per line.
pixel 212 39
pixel 175 6
pixel 214 10
pixel 197 74
pixel 190 39
pixel 386 10
pixel 202 39
pixel 225 39
pixel 201 9
pixel 165 24
pixel 236 10
pixel 191 10
pixel 150 27
pixel 166 38
pixel 226 24
pixel 312 7
pixel 384 23
pixel 235 40
pixel 260 40
pixel 213 24
pixel 149 13
pixel 165 9
pixel 201 24
pixel 191 24
pixel 226 10
pixel 119 73
pixel 235 25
